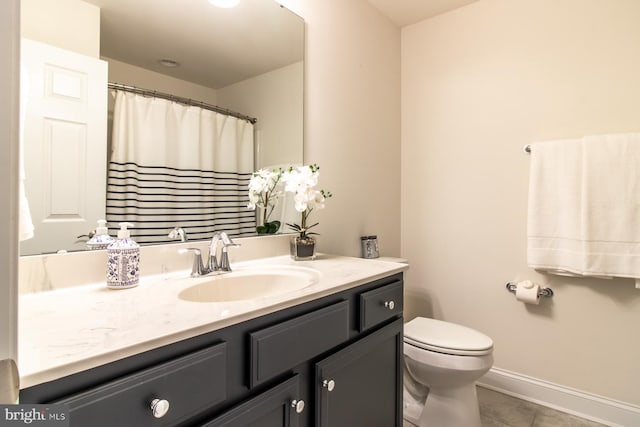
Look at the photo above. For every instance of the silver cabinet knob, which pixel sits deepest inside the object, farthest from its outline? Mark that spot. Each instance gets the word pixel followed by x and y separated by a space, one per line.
pixel 389 304
pixel 159 407
pixel 329 384
pixel 298 405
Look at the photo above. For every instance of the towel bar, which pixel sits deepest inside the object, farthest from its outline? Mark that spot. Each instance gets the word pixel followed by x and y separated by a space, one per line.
pixel 543 292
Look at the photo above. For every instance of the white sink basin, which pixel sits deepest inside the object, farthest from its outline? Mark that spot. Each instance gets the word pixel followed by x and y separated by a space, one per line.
pixel 249 284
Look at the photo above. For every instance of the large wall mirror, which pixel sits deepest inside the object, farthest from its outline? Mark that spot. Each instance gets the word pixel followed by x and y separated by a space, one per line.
pixel 248 59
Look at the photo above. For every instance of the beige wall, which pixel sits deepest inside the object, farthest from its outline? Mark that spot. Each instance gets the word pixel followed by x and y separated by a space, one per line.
pixel 352 121
pixel 276 99
pixel 69 24
pixel 477 85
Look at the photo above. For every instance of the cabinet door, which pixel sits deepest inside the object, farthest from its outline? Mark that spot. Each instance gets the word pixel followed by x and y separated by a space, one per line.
pixel 280 406
pixel 361 385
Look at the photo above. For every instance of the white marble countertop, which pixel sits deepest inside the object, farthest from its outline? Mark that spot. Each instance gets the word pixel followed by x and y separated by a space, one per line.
pixel 65 331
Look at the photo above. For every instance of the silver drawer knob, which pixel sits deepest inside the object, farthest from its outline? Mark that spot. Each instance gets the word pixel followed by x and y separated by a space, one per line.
pixel 329 384
pixel 159 407
pixel 389 304
pixel 299 405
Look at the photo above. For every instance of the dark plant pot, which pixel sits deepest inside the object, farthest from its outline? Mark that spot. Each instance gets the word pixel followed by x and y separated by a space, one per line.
pixel 302 249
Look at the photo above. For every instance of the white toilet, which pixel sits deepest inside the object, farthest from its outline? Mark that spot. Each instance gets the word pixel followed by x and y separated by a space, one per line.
pixel 442 362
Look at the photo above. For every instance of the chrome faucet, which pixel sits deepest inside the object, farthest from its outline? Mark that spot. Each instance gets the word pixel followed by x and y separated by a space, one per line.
pixel 214 265
pixel 199 269
pixel 223 263
pixel 178 233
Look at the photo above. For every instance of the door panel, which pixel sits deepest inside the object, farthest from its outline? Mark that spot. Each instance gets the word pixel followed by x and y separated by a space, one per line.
pixel 64 145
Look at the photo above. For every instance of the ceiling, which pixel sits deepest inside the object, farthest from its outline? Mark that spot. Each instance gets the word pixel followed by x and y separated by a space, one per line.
pixel 215 47
pixel 201 37
pixel 407 12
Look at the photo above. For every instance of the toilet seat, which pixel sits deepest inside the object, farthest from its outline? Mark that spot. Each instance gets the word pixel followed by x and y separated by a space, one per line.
pixel 448 338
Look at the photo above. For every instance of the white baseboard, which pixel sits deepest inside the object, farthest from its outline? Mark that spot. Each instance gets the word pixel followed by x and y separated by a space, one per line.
pixel 592 407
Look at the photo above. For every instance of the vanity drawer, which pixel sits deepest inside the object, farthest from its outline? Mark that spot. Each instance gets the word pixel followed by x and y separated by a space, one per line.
pixel 278 348
pixel 380 304
pixel 189 384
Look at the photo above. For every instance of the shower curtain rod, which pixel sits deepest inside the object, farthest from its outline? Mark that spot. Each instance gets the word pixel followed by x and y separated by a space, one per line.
pixel 180 100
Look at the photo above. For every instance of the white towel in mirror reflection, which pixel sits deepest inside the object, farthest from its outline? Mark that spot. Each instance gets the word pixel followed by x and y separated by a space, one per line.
pixel 25 228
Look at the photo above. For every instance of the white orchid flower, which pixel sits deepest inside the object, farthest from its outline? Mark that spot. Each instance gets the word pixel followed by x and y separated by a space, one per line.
pixel 301 181
pixel 264 191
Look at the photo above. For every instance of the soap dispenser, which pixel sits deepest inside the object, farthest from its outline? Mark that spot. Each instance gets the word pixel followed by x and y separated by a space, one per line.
pixel 100 240
pixel 123 259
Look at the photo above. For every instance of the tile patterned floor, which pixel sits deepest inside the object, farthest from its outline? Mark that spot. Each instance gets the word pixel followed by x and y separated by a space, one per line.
pixel 500 410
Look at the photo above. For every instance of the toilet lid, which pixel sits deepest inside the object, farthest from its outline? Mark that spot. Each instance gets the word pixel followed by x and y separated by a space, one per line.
pixel 445 337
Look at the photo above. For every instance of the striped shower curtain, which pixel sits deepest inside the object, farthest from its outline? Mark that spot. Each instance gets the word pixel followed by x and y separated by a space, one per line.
pixel 173 165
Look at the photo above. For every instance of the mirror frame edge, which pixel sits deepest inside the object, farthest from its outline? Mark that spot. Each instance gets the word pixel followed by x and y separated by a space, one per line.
pixel 9 132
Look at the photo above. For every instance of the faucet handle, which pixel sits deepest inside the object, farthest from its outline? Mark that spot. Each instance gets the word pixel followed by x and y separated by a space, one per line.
pixel 198 267
pixel 226 240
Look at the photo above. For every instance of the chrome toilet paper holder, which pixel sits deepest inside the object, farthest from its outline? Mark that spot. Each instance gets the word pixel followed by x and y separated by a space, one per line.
pixel 542 292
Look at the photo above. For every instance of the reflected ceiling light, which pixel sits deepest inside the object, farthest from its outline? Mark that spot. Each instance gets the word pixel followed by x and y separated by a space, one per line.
pixel 224 3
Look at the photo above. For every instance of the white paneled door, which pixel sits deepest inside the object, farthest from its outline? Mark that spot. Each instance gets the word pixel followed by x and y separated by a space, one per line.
pixel 65 145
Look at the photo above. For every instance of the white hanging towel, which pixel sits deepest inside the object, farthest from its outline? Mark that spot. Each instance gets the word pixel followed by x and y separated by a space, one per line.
pixel 584 206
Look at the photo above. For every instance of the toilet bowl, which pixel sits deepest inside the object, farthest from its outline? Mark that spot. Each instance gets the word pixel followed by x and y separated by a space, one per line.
pixel 442 362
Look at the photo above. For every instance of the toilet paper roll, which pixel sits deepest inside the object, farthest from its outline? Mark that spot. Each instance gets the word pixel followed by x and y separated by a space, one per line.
pixel 527 292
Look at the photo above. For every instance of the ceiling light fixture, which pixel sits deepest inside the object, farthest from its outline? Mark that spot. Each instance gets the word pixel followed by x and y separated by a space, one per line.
pixel 169 63
pixel 225 3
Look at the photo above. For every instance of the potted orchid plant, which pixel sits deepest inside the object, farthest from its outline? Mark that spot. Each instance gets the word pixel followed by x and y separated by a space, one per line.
pixel 301 181
pixel 263 193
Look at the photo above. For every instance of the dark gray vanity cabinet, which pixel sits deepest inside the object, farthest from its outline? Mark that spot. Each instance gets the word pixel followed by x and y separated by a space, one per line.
pixel 331 362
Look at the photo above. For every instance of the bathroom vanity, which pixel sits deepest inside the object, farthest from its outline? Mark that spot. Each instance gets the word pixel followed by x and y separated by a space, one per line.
pixel 326 355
